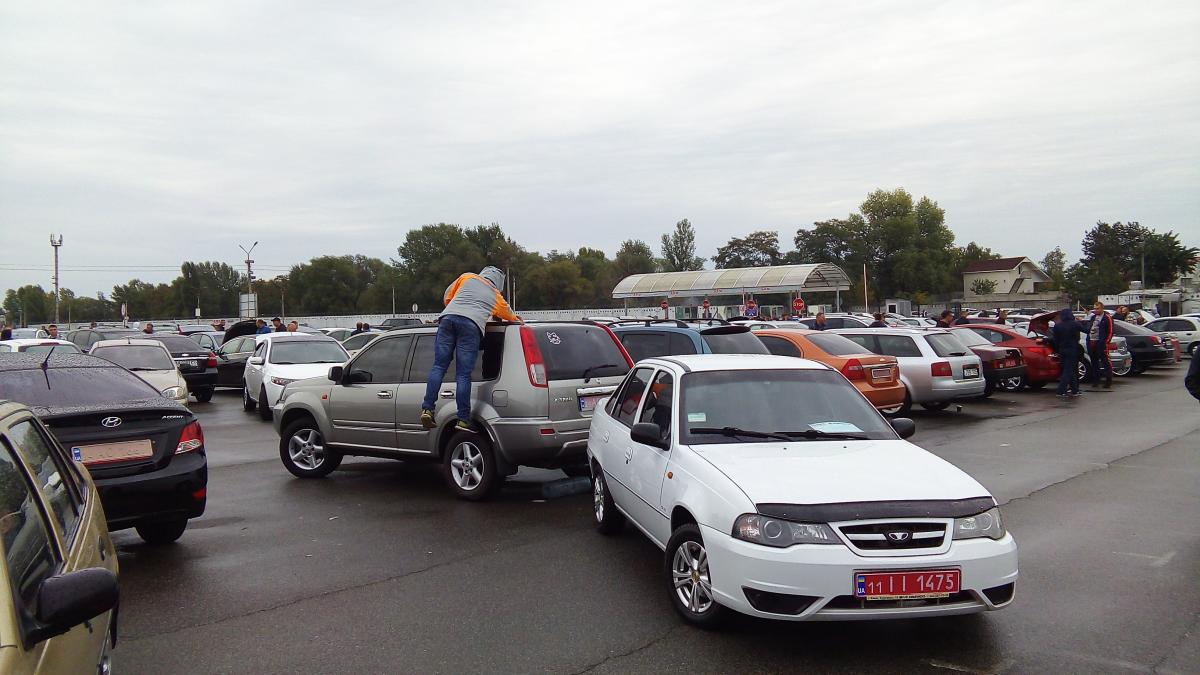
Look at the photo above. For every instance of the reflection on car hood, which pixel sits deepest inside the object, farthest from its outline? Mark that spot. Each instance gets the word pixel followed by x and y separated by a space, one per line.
pixel 299 371
pixel 826 472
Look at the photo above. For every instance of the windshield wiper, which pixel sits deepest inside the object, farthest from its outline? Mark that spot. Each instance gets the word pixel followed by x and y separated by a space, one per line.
pixel 589 369
pixel 817 434
pixel 734 432
pixel 284 363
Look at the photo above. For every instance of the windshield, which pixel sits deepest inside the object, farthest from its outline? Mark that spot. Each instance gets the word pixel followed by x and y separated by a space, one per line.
pixel 308 352
pixel 42 349
pixel 62 387
pixel 743 342
pixel 971 339
pixel 836 345
pixel 945 344
pixel 136 357
pixel 770 401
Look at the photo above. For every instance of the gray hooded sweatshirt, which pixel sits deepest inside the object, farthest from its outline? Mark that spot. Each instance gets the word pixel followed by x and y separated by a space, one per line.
pixel 477 297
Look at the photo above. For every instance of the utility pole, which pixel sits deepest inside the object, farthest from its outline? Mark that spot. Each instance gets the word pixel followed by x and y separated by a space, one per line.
pixel 249 277
pixel 56 243
pixel 1143 232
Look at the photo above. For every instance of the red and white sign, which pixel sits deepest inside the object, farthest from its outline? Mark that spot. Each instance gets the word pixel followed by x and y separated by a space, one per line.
pixel 705 303
pixel 798 304
pixel 664 304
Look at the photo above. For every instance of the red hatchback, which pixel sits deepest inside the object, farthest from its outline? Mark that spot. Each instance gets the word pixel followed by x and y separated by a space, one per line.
pixel 1041 365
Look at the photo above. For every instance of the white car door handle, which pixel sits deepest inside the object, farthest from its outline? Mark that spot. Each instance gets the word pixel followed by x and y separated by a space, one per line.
pixel 383 394
pixel 447 394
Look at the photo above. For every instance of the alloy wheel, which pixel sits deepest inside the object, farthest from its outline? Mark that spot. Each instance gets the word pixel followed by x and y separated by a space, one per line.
pixel 466 465
pixel 598 498
pixel 1010 383
pixel 307 449
pixel 689 573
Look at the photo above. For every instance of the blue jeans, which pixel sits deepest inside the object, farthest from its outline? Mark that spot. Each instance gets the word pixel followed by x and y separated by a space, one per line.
pixel 1068 382
pixel 457 337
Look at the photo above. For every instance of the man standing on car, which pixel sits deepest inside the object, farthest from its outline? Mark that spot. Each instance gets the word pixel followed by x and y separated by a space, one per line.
pixel 944 319
pixel 470 301
pixel 1100 332
pixel 1065 337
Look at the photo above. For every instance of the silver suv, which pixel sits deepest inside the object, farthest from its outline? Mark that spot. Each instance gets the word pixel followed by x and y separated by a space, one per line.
pixel 535 387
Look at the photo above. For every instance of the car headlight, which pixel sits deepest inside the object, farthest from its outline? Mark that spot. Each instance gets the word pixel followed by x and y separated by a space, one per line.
pixel 281 381
pixel 768 531
pixel 173 392
pixel 986 524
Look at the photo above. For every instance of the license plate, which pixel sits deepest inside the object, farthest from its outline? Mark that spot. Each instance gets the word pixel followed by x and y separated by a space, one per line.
pixel 906 585
pixel 970 371
pixel 588 403
pixel 881 374
pixel 107 453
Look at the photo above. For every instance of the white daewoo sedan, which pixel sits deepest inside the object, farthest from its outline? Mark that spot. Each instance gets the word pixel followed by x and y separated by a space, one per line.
pixel 778 491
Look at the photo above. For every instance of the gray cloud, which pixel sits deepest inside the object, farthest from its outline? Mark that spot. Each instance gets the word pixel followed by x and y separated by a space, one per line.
pixel 154 133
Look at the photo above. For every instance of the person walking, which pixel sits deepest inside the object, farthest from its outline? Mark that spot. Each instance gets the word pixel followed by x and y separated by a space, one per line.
pixel 470 302
pixel 878 322
pixel 1100 332
pixel 944 319
pixel 261 327
pixel 819 322
pixel 1065 338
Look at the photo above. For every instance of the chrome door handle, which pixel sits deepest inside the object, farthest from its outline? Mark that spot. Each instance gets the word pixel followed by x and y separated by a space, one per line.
pixel 447 394
pixel 383 394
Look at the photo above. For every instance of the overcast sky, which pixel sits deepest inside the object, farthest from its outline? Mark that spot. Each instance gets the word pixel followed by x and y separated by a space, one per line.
pixel 150 133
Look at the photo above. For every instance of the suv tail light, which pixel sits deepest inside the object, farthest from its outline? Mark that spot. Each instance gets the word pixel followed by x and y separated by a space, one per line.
pixel 941 369
pixel 853 370
pixel 191 438
pixel 534 362
pixel 212 360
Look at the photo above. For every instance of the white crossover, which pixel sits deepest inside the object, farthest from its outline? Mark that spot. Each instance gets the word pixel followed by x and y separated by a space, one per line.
pixel 282 358
pixel 778 491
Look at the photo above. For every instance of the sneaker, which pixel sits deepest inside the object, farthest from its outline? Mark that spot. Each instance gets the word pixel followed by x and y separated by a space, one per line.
pixel 427 420
pixel 462 425
pixel 1063 395
pixel 1075 394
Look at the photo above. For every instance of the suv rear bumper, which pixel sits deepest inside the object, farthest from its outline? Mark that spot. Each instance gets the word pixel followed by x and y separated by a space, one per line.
pixel 540 441
pixel 177 491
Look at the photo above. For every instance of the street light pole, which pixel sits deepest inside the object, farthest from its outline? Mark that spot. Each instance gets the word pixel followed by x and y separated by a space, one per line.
pixel 249 275
pixel 56 243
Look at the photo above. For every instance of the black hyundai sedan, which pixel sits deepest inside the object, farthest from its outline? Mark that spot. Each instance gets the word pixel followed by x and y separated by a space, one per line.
pixel 145 452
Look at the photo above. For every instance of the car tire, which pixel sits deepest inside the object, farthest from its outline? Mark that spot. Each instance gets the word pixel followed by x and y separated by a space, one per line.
pixel 204 395
pixel 303 451
pixel 900 410
pixel 157 534
pixel 248 404
pixel 686 571
pixel 264 408
pixel 469 466
pixel 1085 370
pixel 936 406
pixel 1123 372
pixel 1136 369
pixel 608 519
pixel 1013 384
pixel 988 389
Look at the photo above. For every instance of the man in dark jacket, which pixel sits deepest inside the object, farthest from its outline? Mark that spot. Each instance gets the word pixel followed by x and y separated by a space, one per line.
pixel 878 322
pixel 962 319
pixel 819 323
pixel 1065 336
pixel 944 319
pixel 1192 380
pixel 1100 332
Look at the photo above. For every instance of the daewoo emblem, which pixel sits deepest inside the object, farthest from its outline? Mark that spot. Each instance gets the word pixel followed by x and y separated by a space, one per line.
pixel 111 422
pixel 899 536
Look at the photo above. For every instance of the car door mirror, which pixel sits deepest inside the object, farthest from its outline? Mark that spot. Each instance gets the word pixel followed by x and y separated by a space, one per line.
pixel 335 374
pixel 255 361
pixel 67 600
pixel 904 426
pixel 648 433
pixel 360 377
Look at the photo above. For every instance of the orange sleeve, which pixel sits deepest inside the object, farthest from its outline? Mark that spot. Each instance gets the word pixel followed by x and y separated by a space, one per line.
pixel 452 289
pixel 503 311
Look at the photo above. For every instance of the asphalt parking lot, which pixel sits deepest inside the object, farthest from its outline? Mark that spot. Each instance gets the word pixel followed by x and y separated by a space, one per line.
pixel 379 569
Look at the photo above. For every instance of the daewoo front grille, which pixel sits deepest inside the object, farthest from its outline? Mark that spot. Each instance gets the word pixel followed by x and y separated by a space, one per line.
pixel 895 536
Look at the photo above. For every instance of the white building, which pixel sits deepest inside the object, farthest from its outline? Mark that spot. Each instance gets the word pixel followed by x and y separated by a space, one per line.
pixel 1013 277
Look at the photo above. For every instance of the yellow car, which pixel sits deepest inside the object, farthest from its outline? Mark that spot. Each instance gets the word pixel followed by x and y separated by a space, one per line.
pixel 58 583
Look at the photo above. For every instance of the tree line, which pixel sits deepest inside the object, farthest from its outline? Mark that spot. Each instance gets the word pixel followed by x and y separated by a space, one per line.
pixel 908 250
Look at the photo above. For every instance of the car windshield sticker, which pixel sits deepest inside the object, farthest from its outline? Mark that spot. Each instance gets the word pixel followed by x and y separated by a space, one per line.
pixel 697 417
pixel 835 427
pixel 553 338
pixel 77 454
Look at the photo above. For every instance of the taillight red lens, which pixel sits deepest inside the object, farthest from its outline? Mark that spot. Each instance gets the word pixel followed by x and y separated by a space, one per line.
pixel 191 438
pixel 212 360
pixel 534 362
pixel 853 370
pixel 941 369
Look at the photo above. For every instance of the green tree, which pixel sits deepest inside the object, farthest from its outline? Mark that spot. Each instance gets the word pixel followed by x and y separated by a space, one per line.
pixel 983 286
pixel 556 284
pixel 331 284
pixel 433 256
pixel 29 304
pixel 1121 245
pixel 757 249
pixel 144 300
pixel 1054 264
pixel 633 257
pixel 212 286
pixel 679 249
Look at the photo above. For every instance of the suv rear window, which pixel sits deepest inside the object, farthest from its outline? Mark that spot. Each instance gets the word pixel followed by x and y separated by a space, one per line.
pixel 725 340
pixel 946 345
pixel 571 349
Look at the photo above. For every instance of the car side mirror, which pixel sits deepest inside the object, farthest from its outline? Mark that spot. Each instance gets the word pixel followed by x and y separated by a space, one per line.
pixel 335 374
pixel 67 600
pixel 360 377
pixel 904 426
pixel 649 433
pixel 255 361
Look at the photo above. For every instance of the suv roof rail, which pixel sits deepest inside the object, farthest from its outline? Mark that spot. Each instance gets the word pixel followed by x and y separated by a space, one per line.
pixel 647 322
pixel 710 321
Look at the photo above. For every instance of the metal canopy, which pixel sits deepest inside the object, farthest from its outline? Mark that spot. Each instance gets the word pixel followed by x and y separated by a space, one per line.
pixel 778 279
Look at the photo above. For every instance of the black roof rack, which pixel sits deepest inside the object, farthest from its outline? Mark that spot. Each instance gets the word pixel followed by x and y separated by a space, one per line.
pixel 647 322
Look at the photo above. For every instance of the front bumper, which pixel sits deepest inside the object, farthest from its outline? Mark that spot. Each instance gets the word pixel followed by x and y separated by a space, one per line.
pixel 176 491
pixel 826 574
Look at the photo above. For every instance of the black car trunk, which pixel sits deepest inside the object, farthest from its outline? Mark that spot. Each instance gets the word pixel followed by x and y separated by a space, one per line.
pixel 77 430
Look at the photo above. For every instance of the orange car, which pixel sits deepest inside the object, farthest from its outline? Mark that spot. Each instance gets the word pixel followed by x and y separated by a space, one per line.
pixel 876 376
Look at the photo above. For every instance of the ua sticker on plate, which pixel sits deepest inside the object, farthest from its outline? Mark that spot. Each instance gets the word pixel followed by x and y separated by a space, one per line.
pixel 77 454
pixel 553 338
pixel 697 417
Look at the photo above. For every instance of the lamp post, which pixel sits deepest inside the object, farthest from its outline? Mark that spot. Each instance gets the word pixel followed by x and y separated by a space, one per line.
pixel 249 277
